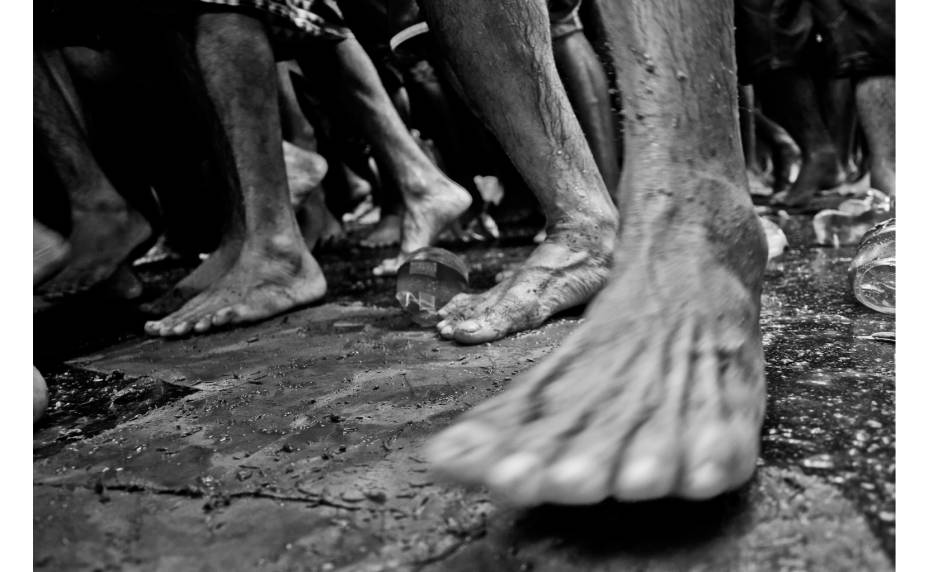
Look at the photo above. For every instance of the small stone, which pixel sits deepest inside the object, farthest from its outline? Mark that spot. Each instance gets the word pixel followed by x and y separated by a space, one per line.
pixel 823 461
pixel 352 496
pixel 252 339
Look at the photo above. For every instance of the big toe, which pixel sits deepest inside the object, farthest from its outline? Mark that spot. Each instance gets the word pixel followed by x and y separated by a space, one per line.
pixel 463 452
pixel 480 330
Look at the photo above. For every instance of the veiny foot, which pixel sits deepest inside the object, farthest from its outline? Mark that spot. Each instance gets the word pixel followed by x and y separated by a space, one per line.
pixel 49 252
pixel 261 284
pixel 305 171
pixel 387 232
pixel 819 171
pixel 566 270
pixel 101 240
pixel 660 392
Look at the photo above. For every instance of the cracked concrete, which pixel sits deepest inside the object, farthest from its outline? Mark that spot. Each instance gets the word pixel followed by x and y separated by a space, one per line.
pixel 293 445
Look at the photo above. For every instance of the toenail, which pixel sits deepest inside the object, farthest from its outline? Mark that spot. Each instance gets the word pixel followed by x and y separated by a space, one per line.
pixel 707 480
pixel 468 327
pixel 512 470
pixel 580 479
pixel 639 476
pixel 572 472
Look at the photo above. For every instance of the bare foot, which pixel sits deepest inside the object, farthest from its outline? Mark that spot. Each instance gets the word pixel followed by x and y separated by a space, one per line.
pixel 430 208
pixel 566 270
pixel 260 284
pixel 101 240
pixel 819 171
pixel 660 392
pixel 305 170
pixel 431 205
pixel 387 232
pixel 318 225
pixel 390 266
pixel 49 252
pixel 39 395
pixel 204 275
pixel 123 284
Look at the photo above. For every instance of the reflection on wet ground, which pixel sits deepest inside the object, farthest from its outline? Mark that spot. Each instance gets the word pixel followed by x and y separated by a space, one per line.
pixel 292 444
pixel 832 389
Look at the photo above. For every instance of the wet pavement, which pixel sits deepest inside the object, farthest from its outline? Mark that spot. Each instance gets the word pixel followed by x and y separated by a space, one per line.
pixel 294 444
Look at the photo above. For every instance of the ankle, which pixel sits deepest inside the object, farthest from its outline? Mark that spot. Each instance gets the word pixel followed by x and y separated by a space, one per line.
pixel 599 229
pixel 422 183
pixel 280 245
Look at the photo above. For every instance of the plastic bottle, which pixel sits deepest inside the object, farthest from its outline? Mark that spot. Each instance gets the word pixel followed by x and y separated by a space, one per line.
pixel 873 270
pixel 427 281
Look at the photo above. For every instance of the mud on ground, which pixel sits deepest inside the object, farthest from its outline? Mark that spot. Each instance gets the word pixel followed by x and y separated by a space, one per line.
pixel 294 444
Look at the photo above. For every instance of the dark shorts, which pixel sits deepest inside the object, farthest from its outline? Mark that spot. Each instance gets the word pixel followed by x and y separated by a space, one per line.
pixel 858 37
pixel 104 24
pixel 291 22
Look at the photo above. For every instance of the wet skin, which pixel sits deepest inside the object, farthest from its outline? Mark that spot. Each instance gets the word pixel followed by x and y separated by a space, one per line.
pixel 660 391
